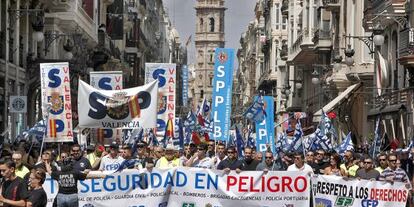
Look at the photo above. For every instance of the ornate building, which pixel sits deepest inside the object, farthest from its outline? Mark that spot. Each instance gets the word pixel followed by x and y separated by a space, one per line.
pixel 209 35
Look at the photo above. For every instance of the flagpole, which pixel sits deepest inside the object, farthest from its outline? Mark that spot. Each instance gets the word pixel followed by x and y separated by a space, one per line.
pixel 46 119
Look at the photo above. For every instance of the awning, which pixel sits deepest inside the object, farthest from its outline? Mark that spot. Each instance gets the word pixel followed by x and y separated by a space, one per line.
pixel 336 101
pixel 386 109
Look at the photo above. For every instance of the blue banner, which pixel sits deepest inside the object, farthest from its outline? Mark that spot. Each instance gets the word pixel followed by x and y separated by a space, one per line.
pixel 222 87
pixel 265 130
pixel 185 84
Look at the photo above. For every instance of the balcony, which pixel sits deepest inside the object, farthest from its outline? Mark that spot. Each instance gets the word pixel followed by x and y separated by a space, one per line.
pixel 302 50
pixel 322 40
pixel 331 5
pixel 285 8
pixel 69 16
pixel 387 12
pixel 393 101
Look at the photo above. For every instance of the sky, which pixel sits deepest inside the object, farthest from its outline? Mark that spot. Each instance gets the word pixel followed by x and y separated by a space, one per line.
pixel 237 17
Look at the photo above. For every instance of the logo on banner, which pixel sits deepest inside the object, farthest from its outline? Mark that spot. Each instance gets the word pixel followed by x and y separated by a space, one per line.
pixel 320 202
pixel 188 205
pixel 344 201
pixel 118 106
pixel 222 57
pixel 56 102
pixel 369 203
pixel 88 205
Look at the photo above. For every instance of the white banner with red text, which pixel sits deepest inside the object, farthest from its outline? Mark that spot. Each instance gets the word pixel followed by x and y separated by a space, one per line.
pixel 56 101
pixel 192 187
pixel 335 191
pixel 127 108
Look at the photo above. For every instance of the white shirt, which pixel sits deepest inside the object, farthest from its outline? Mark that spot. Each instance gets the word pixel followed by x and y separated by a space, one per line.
pixel 110 164
pixel 305 168
pixel 204 163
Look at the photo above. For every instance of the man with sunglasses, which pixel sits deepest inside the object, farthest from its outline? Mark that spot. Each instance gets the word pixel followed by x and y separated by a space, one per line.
pixel 299 164
pixel 249 164
pixel 367 172
pixel 169 160
pixel 81 163
pixel 320 163
pixel 231 162
pixel 393 173
pixel 382 163
pixel 268 163
pixel 200 159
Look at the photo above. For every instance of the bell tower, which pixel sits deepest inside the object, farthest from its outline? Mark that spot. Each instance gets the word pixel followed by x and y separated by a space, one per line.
pixel 209 35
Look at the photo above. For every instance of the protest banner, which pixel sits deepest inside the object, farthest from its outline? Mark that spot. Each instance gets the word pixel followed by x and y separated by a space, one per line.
pixel 106 80
pixel 165 73
pixel 127 108
pixel 56 101
pixel 335 191
pixel 222 87
pixel 192 187
pixel 265 130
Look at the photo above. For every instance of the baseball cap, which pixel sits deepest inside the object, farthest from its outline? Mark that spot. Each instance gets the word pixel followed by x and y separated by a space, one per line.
pixel 114 146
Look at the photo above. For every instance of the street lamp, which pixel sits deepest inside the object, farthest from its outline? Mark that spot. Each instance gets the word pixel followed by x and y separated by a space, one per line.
pixel 38 26
pixel 315 77
pixel 337 63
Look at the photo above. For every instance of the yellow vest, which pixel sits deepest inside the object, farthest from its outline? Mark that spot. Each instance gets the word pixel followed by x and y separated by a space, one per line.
pixel 22 172
pixel 379 169
pixel 351 170
pixel 164 163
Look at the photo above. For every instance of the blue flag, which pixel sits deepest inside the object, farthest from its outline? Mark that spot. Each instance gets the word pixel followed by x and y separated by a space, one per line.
pixel 376 145
pixel 239 142
pixel 296 145
pixel 137 137
pixel 346 145
pixel 180 133
pixel 250 140
pixel 152 138
pixel 190 121
pixel 256 112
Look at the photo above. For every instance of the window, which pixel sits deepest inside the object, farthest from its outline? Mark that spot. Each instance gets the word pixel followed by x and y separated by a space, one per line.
pixel 277 16
pixel 201 94
pixel 201 24
pixel 211 24
pixel 284 22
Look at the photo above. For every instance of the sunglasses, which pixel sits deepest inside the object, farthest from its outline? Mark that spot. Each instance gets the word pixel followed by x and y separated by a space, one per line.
pixel 392 160
pixel 269 157
pixel 230 152
pixel 368 162
pixel 382 159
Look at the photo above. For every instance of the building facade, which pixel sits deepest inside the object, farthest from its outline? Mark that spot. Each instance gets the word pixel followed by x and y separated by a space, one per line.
pixel 209 35
pixel 326 60
pixel 91 35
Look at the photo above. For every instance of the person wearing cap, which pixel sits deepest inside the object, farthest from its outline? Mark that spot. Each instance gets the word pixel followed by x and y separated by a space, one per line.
pixel 94 156
pixel 112 161
pixel 169 160
pixel 80 162
pixel 200 159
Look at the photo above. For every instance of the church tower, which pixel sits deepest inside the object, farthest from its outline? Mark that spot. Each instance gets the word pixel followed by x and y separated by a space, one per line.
pixel 209 35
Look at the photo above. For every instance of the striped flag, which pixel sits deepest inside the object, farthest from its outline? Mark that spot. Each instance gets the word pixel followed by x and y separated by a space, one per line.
pixel 52 128
pixel 134 107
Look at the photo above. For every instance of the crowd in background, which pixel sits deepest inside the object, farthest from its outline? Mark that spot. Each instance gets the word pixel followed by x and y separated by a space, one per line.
pixel 23 169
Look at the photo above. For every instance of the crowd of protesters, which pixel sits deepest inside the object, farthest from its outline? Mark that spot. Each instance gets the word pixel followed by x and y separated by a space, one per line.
pixel 23 170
